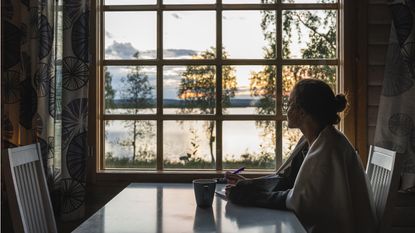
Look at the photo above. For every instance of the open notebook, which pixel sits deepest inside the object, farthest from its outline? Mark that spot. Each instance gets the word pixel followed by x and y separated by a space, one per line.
pixel 221 194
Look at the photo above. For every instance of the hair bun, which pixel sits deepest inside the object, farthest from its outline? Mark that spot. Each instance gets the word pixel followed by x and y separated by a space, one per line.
pixel 341 102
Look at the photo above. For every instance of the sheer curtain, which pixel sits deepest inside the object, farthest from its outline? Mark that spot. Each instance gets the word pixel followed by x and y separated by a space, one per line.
pixel 395 127
pixel 45 91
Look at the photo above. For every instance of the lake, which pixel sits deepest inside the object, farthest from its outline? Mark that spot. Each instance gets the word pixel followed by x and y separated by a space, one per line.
pixel 182 138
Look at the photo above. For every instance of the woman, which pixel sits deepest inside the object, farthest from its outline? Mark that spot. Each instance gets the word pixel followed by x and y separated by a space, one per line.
pixel 330 192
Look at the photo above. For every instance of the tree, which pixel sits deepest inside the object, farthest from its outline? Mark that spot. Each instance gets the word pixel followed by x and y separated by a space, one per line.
pixel 322 44
pixel 321 27
pixel 197 90
pixel 137 94
pixel 109 91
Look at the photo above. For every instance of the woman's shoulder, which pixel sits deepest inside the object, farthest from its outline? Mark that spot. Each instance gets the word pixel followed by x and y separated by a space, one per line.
pixel 335 140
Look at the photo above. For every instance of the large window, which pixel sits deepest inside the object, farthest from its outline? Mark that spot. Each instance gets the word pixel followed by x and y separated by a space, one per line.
pixel 203 84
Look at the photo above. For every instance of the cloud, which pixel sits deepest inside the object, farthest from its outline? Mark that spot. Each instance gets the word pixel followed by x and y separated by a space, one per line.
pixel 125 50
pixel 173 70
pixel 171 74
pixel 120 50
pixel 179 53
pixel 172 82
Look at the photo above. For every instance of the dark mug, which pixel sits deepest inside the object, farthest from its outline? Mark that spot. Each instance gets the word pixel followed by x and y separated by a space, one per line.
pixel 204 191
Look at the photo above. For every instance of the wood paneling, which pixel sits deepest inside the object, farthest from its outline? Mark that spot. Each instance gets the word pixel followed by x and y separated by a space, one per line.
pixel 377 54
pixel 371 134
pixel 375 75
pixel 372 115
pixel 378 34
pixel 378 13
pixel 379 23
pixel 373 96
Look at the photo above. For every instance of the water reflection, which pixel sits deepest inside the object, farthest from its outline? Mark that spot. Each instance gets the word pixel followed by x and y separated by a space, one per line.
pixel 204 220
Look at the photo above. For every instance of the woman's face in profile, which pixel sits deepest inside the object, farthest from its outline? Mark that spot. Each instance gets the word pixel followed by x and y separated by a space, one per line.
pixel 293 113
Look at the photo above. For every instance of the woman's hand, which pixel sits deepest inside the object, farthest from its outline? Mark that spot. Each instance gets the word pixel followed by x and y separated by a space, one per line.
pixel 233 178
pixel 228 188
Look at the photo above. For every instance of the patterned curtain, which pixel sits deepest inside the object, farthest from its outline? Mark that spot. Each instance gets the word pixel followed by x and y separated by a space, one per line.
pixel 396 118
pixel 45 91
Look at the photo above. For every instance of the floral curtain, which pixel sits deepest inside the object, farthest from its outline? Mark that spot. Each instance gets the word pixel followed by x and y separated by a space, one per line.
pixel 396 118
pixel 45 91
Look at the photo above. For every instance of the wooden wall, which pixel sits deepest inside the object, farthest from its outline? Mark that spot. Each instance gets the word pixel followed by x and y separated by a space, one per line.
pixel 379 24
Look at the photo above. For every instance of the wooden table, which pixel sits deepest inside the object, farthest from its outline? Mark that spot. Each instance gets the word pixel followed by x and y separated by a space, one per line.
pixel 166 207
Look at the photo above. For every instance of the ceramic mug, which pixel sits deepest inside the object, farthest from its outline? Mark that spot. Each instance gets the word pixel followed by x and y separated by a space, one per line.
pixel 204 191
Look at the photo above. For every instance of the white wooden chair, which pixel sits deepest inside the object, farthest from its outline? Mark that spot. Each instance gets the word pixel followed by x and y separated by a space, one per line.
pixel 383 172
pixel 29 200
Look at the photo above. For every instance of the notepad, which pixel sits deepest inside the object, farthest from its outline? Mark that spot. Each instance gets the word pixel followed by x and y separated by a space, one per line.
pixel 221 194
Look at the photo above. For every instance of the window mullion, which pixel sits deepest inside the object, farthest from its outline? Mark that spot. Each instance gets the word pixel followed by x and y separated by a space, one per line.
pixel 279 83
pixel 219 85
pixel 159 153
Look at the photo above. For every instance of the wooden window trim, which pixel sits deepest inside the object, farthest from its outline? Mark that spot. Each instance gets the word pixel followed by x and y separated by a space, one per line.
pixel 354 66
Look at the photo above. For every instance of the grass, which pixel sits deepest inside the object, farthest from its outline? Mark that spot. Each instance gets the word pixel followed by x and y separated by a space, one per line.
pixel 196 163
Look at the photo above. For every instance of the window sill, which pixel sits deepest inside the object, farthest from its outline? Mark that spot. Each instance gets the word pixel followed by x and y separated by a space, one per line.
pixel 111 176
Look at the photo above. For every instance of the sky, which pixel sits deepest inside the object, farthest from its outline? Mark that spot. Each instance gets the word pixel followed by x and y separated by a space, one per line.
pixel 186 33
pixel 242 38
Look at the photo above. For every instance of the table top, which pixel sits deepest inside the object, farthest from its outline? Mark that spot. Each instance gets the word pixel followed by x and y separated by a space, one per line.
pixel 167 207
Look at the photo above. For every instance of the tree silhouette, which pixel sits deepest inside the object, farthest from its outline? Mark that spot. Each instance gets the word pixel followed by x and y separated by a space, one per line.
pixel 321 44
pixel 109 95
pixel 197 90
pixel 109 91
pixel 137 94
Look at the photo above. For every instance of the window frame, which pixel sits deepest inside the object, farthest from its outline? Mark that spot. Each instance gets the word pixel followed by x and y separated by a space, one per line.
pixel 344 63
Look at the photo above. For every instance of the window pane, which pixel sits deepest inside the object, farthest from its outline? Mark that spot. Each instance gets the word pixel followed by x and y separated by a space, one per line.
pixel 309 34
pixel 249 143
pixel 246 1
pixel 309 1
pixel 130 144
pixel 249 90
pixel 292 74
pixel 189 89
pixel 242 28
pixel 123 42
pixel 189 1
pixel 130 90
pixel 290 137
pixel 130 2
pixel 189 144
pixel 187 33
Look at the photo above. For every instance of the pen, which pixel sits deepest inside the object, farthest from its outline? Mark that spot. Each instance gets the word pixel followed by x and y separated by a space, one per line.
pixel 238 170
pixel 224 181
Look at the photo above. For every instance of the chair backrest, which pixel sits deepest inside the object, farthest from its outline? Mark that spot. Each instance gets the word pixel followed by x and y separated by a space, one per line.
pixel 29 200
pixel 383 173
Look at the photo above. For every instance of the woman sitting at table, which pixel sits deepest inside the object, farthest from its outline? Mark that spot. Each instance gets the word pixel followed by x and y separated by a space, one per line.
pixel 323 181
